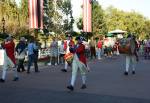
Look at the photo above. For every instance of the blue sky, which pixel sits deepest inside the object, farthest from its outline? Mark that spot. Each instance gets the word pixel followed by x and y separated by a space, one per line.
pixel 141 6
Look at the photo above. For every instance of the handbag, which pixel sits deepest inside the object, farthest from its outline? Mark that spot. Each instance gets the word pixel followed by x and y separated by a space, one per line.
pixel 21 55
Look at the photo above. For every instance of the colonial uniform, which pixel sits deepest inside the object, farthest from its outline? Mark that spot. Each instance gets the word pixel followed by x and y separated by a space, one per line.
pixel 67 45
pixel 79 63
pixel 132 57
pixel 10 60
pixel 115 48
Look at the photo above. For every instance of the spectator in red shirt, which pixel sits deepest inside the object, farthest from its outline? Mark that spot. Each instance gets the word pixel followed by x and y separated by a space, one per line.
pixel 99 48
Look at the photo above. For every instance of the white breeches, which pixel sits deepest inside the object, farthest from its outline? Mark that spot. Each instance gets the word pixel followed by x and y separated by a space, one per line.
pixel 130 60
pixel 8 63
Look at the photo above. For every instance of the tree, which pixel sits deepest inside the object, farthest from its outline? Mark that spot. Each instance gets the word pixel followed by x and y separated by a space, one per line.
pixel 98 21
pixel 132 22
pixel 114 19
pixel 24 11
pixel 15 17
pixel 80 24
pixel 46 18
pixel 66 9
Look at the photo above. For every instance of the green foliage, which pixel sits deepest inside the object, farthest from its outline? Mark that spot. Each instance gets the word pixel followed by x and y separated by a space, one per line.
pixel 66 9
pixel 51 16
pixel 15 17
pixel 132 22
pixel 112 18
pixel 80 24
pixel 98 21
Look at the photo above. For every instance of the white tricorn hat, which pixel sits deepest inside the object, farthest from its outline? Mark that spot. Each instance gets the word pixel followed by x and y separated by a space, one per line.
pixel 22 39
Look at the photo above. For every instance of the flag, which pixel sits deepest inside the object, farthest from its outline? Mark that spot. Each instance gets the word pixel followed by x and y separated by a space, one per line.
pixel 87 10
pixel 35 14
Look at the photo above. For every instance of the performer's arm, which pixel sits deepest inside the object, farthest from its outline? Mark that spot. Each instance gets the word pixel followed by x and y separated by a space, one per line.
pixel 72 50
pixel 80 49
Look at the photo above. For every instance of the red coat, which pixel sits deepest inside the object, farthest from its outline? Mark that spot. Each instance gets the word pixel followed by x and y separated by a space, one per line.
pixel 71 43
pixel 80 52
pixel 10 50
pixel 115 47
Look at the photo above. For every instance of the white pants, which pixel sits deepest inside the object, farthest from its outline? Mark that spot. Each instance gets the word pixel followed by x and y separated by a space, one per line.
pixel 130 61
pixel 77 65
pixel 8 63
pixel 117 52
pixel 66 65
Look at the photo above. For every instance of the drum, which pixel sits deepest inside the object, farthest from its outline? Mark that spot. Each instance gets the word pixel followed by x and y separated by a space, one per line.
pixel 124 47
pixel 69 58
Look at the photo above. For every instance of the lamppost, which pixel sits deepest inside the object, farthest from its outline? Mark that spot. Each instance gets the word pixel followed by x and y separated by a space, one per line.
pixel 3 25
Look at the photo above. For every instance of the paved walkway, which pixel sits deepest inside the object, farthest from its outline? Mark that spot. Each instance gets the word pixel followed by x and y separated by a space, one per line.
pixel 106 84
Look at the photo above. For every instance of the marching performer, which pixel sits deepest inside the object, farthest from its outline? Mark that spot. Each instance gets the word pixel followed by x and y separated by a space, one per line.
pixel 132 57
pixel 9 58
pixel 79 62
pixel 68 43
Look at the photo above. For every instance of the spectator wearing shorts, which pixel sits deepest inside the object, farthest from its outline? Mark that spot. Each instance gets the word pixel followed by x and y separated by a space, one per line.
pixel 61 52
pixel 53 51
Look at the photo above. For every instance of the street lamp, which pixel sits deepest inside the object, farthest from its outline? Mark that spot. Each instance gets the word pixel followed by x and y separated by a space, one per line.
pixel 3 24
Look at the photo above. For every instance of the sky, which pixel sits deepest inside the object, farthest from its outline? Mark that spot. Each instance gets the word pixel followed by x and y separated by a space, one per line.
pixel 141 6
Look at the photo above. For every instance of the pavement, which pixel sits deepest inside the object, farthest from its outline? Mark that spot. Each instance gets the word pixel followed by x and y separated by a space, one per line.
pixel 105 84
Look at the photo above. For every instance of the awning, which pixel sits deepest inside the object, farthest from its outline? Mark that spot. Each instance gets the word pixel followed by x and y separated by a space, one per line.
pixel 117 31
pixel 109 35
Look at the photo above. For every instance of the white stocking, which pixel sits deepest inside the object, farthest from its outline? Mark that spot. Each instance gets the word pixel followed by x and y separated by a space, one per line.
pixel 83 79
pixel 4 74
pixel 73 78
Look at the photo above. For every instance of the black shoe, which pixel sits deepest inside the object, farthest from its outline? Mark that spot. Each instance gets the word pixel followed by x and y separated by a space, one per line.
pixel 28 72
pixel 63 70
pixel 37 71
pixel 2 80
pixel 16 79
pixel 18 70
pixel 125 73
pixel 133 72
pixel 137 59
pixel 83 86
pixel 23 70
pixel 70 87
